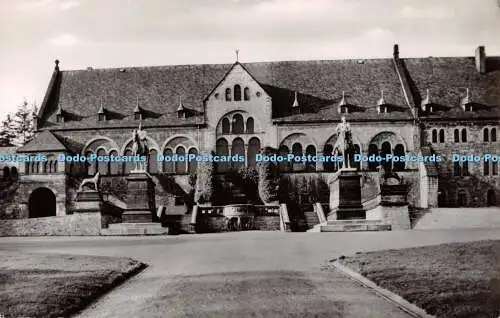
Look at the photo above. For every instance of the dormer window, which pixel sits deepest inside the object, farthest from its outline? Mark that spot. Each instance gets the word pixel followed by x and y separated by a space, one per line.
pixel 60 115
pixel 101 113
pixel 101 117
pixel 467 103
pixel 427 104
pixel 382 106
pixel 343 107
pixel 181 111
pixel 137 111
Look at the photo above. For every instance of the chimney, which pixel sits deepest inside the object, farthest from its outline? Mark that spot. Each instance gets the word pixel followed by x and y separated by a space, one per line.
pixel 395 52
pixel 480 60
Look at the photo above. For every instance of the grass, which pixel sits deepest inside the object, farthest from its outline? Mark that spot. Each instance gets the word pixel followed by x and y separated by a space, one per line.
pixel 40 285
pixel 449 280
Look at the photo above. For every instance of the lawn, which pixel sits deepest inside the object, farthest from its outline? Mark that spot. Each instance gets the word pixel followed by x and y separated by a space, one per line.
pixel 40 285
pixel 449 280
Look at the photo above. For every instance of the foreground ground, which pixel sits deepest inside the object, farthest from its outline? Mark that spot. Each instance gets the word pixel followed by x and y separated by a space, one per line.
pixel 450 280
pixel 57 285
pixel 266 272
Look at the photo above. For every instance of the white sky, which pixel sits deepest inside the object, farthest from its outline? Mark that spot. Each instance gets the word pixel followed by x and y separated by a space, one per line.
pixel 114 33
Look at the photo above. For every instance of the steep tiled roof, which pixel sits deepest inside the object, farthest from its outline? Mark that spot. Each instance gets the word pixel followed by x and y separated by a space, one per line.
pixel 49 141
pixel 447 79
pixel 319 86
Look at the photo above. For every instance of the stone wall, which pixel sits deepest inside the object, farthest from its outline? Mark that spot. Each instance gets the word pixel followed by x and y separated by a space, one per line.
pixel 69 225
pixel 217 223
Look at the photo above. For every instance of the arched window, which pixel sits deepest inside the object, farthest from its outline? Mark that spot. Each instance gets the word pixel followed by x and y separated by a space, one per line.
pixel 228 94
pixel 238 125
pixel 54 162
pixel 457 169
pixel 250 125
pixel 246 93
pixel 33 168
pixel 399 151
pixel 372 150
pixel 461 198
pixel 128 166
pixel 180 166
pixel 441 135
pixel 284 165
pixel 386 150
pixel 37 167
pixel 297 151
pixel 46 168
pixel 486 168
pixel 311 165
pixel 494 168
pixel 253 150
pixel 192 164
pixel 237 148
pixel 456 135
pixel 222 149
pixel 328 166
pixel 102 166
pixel 464 135
pixel 434 136
pixel 237 92
pixel 465 168
pixel 27 168
pixel 226 126
pixel 493 134
pixel 153 162
pixel 168 165
pixel 114 166
pixel 91 165
pixel 486 135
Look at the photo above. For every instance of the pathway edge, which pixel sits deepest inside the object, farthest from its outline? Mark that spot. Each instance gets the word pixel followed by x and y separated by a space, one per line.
pixel 399 301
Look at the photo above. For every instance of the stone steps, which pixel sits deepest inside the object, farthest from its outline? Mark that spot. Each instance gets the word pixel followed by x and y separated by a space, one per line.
pixel 127 229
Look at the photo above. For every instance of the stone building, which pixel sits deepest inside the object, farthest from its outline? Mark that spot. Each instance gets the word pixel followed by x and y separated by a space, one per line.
pixel 394 105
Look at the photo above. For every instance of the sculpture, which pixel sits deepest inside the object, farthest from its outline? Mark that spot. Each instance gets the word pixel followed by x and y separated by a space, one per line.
pixel 140 148
pixel 344 145
pixel 94 181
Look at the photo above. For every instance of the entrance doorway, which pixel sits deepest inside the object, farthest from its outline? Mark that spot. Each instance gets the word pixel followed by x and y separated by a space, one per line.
pixel 491 198
pixel 42 203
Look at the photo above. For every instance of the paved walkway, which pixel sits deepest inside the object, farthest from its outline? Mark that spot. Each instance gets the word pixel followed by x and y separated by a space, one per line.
pixel 258 274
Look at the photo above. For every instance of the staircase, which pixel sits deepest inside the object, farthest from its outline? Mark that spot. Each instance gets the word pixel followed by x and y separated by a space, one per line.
pixel 351 226
pixel 134 229
pixel 311 219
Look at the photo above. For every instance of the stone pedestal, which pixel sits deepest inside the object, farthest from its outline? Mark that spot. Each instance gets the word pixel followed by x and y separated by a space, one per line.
pixel 140 198
pixel 345 195
pixel 88 201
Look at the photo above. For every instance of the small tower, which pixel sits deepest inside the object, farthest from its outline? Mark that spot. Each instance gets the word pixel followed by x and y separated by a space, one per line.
pixel 343 105
pixel 295 101
pixel 426 104
pixel 137 110
pixel 181 110
pixel 101 113
pixel 381 103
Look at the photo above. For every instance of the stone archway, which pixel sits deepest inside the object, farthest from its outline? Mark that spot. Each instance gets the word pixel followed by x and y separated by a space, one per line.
pixel 42 203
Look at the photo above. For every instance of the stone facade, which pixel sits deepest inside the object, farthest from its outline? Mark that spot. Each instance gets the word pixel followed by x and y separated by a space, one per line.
pixel 292 106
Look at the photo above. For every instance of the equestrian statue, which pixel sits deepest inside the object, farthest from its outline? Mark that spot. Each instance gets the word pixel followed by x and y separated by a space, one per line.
pixel 140 148
pixel 344 145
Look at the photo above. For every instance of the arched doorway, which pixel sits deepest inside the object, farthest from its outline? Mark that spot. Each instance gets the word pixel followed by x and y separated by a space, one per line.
pixel 461 198
pixel 42 203
pixel 491 198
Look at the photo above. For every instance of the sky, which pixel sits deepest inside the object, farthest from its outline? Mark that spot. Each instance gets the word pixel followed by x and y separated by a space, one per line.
pixel 116 33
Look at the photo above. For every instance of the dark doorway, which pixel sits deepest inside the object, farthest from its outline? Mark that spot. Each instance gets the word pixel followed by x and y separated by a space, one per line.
pixel 461 198
pixel 441 198
pixel 6 172
pixel 42 203
pixel 491 198
pixel 13 173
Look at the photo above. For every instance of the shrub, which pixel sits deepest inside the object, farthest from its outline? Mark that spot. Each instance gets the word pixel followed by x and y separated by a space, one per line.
pixel 204 183
pixel 268 174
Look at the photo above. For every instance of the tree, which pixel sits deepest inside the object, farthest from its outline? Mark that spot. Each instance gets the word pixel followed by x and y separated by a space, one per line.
pixel 204 183
pixel 7 134
pixel 268 179
pixel 23 122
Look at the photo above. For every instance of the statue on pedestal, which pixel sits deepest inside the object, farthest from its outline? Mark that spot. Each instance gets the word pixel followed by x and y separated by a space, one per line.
pixel 94 182
pixel 344 145
pixel 140 148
